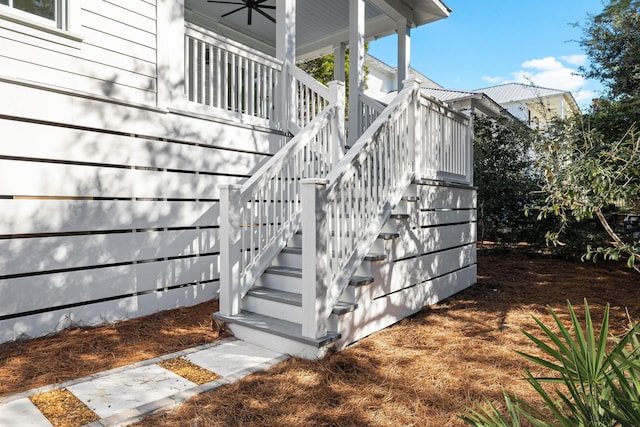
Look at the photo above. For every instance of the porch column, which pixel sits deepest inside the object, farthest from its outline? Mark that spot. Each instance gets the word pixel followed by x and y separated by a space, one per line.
pixel 171 42
pixel 286 52
pixel 356 65
pixel 339 62
pixel 404 53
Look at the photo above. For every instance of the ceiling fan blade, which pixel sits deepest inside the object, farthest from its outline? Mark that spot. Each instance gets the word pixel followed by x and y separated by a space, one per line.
pixel 233 11
pixel 225 2
pixel 258 4
pixel 249 10
pixel 266 16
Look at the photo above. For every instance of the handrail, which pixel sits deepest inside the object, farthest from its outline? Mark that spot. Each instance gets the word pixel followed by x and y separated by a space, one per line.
pixel 308 98
pixel 343 214
pixel 258 218
pixel 229 76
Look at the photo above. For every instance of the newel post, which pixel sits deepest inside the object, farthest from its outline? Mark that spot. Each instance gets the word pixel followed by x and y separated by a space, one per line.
pixel 315 261
pixel 415 127
pixel 337 97
pixel 230 292
pixel 470 150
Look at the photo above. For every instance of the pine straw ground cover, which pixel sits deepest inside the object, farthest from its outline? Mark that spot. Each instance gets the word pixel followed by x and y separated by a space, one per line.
pixel 77 353
pixel 422 371
pixel 425 370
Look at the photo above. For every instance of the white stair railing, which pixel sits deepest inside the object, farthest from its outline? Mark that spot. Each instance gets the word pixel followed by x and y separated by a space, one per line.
pixel 446 143
pixel 259 217
pixel 229 76
pixel 370 109
pixel 308 98
pixel 343 213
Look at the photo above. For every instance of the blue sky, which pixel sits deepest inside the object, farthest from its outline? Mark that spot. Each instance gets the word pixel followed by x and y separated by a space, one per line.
pixel 490 42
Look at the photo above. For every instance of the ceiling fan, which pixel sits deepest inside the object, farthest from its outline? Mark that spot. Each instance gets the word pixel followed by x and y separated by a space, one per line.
pixel 250 5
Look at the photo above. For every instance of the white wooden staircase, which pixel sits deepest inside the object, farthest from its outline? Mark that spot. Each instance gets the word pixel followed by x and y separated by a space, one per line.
pixel 302 241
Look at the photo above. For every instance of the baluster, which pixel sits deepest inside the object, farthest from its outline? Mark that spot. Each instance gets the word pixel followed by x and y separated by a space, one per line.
pixel 251 82
pixel 202 69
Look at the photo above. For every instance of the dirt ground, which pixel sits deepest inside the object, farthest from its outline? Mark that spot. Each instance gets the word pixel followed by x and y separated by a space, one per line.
pixel 422 371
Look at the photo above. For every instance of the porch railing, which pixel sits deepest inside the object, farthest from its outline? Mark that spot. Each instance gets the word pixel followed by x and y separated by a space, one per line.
pixel 370 109
pixel 446 149
pixel 258 218
pixel 229 76
pixel 308 98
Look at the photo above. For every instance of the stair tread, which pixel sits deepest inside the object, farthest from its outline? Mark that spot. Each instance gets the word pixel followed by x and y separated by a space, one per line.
pixel 383 235
pixel 388 236
pixel 291 298
pixel 297 272
pixel 369 257
pixel 400 216
pixel 343 307
pixel 277 327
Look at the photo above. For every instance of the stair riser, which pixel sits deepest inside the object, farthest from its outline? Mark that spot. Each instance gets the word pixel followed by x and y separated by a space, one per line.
pixel 277 343
pixel 279 310
pixel 295 241
pixel 281 282
pixel 285 259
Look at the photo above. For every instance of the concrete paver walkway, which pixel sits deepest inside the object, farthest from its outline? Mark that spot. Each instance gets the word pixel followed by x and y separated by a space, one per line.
pixel 124 395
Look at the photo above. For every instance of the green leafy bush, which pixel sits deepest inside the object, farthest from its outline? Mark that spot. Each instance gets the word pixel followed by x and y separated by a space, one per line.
pixel 594 385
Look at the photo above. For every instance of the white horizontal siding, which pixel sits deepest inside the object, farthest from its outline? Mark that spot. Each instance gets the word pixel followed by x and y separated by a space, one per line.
pixel 116 57
pixel 114 25
pixel 55 55
pixel 143 8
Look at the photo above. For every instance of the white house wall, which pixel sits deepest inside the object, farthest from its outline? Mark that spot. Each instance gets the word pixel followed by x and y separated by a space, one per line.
pixel 108 204
pixel 116 56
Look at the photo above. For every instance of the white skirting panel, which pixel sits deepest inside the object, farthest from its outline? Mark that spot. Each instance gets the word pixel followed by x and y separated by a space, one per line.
pixel 374 315
pixel 40 324
pixel 433 258
pixel 110 210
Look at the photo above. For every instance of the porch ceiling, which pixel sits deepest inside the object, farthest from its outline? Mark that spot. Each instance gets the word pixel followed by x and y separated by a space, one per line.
pixel 320 25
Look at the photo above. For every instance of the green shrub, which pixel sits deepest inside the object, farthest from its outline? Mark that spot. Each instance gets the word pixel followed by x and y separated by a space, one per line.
pixel 595 385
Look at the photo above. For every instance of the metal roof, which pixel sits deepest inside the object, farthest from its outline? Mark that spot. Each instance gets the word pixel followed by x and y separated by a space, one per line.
pixel 514 92
pixel 465 99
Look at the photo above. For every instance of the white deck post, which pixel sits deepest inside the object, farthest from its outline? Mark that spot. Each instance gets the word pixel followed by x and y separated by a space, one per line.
pixel 415 127
pixel 404 53
pixel 336 96
pixel 286 52
pixel 356 66
pixel 339 62
pixel 315 272
pixel 230 249
pixel 470 150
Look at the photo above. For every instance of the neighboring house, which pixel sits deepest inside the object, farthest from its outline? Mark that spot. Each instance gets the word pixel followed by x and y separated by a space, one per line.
pixel 162 153
pixel 533 104
pixel 382 85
